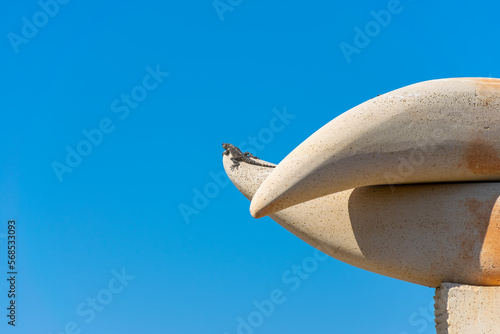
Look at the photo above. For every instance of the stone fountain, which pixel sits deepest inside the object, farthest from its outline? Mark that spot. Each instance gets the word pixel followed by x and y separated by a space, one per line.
pixel 406 185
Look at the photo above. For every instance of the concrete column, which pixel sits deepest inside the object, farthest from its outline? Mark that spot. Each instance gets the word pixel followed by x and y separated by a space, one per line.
pixel 464 309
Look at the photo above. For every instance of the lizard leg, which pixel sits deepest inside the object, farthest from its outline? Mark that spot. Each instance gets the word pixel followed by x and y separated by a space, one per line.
pixel 226 152
pixel 236 164
pixel 248 154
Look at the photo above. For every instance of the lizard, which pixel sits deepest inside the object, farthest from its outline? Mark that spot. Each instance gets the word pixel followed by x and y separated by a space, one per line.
pixel 238 156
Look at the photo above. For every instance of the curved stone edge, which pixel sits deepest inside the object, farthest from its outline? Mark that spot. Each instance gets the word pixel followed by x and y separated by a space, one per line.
pixel 443 130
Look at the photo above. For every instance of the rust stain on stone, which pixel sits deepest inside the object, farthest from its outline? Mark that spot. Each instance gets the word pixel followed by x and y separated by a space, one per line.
pixel 490 252
pixel 487 81
pixel 480 247
pixel 467 249
pixel 482 157
pixel 488 90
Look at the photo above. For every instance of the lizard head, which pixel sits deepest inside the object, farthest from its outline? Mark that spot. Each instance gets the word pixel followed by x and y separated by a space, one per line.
pixel 225 146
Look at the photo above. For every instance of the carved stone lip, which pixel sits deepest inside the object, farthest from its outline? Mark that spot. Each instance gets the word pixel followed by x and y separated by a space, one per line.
pixel 435 131
pixel 424 234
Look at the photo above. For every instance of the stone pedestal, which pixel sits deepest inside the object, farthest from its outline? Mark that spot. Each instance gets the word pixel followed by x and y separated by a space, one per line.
pixel 464 309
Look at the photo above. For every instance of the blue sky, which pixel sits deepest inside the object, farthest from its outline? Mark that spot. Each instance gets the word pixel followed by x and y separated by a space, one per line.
pixel 147 92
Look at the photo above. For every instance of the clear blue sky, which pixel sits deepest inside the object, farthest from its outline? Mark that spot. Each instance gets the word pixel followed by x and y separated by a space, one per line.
pixel 157 86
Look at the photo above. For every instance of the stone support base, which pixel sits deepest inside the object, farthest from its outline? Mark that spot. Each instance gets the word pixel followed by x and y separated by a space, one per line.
pixel 467 309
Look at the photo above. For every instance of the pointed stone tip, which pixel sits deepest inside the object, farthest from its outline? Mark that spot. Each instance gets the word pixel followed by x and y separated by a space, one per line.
pixel 257 210
pixel 261 206
pixel 273 195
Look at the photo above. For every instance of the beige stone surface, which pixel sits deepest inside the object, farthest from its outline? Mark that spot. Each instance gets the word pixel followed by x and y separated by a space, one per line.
pixel 425 234
pixel 443 130
pixel 461 309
